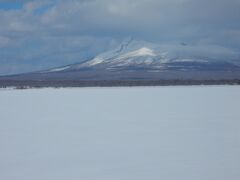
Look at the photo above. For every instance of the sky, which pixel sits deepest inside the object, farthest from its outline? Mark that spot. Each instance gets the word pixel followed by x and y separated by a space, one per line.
pixel 36 35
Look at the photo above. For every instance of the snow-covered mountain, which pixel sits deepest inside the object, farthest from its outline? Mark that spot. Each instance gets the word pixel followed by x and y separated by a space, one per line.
pixel 132 55
pixel 143 61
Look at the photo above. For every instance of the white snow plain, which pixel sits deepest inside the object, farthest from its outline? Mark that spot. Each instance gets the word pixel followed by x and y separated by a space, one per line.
pixel 142 133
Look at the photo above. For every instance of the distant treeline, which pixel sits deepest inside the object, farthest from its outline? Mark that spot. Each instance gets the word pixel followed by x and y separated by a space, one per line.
pixel 111 83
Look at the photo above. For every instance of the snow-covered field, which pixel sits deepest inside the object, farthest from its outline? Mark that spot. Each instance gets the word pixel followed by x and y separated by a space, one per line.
pixel 144 133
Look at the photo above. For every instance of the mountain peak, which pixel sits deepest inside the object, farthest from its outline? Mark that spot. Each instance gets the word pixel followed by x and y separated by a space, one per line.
pixel 144 51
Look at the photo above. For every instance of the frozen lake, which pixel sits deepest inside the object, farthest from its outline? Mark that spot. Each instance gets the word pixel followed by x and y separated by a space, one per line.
pixel 144 133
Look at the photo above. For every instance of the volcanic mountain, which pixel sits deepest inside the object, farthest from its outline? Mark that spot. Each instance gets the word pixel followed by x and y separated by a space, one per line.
pixel 135 56
pixel 139 60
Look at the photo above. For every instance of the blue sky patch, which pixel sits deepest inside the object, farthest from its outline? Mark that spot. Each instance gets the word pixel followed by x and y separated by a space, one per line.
pixel 10 6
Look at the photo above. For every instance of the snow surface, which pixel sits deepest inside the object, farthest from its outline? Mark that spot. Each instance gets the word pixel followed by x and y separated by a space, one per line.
pixel 140 52
pixel 162 133
pixel 95 61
